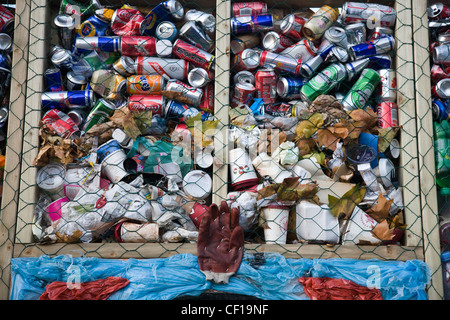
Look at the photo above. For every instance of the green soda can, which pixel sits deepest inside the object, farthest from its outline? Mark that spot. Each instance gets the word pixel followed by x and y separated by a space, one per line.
pixel 102 110
pixel 323 82
pixel 71 7
pixel 361 91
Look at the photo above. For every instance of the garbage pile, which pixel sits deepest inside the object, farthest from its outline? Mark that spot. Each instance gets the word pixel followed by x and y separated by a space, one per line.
pixel 6 49
pixel 125 152
pixel 314 124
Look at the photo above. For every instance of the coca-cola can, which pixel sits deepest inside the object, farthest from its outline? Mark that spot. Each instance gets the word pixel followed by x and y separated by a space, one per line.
pixel 442 89
pixel 249 8
pixel 192 54
pixel 388 85
pixel 276 42
pixel 438 11
pixel 246 60
pixel 379 32
pixel 244 76
pixel 59 122
pixel 126 22
pixel 138 46
pixel 191 93
pixel 146 102
pixel 387 113
pixel 438 73
pixel 292 25
pixel 207 103
pixel 266 85
pixel 6 19
pixel 243 94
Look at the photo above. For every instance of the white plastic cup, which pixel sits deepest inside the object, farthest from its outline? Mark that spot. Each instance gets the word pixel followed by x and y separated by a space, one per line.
pixel 276 218
pixel 112 166
pixel 243 174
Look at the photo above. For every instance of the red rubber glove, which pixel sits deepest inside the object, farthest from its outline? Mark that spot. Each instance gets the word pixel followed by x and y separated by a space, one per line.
pixel 220 244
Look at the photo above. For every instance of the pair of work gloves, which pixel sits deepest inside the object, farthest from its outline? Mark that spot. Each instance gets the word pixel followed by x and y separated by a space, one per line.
pixel 220 245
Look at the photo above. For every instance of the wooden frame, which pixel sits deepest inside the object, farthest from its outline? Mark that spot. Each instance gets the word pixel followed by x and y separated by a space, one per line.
pixel 409 171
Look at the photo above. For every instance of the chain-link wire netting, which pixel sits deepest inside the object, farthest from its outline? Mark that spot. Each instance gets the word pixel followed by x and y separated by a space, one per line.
pixel 303 116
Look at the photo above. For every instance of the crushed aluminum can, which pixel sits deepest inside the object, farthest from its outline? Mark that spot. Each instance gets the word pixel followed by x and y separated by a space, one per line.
pixel 199 77
pixel 126 22
pixel 60 123
pixel 438 11
pixel 164 48
pixel 206 20
pixel 372 13
pixel 61 58
pixel 75 81
pixel 146 102
pixel 243 94
pixel 138 46
pixel 207 104
pixel 379 32
pixel 65 25
pixel 193 34
pixel 166 30
pixel 244 76
pixel 292 25
pixel 6 20
pixel 276 42
pixel 248 59
pixel 319 22
pixel 356 33
pixel 53 80
pixel 251 24
pixel 171 10
pixel 303 50
pixel 254 8
pixel 280 62
pixel 194 55
pixel 5 42
pixel 191 93
pixel 124 66
pixel 442 89
pixel 266 85
pixel 376 47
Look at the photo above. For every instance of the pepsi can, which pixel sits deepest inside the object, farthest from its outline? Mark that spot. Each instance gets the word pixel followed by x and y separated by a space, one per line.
pixel 105 44
pixel 251 24
pixel 53 80
pixel 289 87
pixel 63 99
pixel 378 46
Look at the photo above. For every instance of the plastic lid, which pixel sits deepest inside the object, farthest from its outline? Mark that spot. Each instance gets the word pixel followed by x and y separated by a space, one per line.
pixel 360 153
pixel 197 184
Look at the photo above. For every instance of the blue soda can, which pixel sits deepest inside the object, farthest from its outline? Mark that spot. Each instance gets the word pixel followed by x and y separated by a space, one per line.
pixel 64 99
pixel 378 46
pixel 93 26
pixel 178 111
pixel 439 109
pixel 171 10
pixel 5 61
pixel 289 87
pixel 105 44
pixel 383 61
pixel 251 24
pixel 53 80
pixel 166 30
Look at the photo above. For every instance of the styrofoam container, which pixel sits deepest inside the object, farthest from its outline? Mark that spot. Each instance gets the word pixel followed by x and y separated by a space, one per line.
pixel 359 228
pixel 314 222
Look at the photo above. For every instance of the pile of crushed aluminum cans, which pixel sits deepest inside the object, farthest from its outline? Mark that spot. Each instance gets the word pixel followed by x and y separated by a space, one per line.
pixel 118 160
pixel 314 124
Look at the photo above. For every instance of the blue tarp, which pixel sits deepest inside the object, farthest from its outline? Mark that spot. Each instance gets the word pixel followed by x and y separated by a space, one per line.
pixel 267 276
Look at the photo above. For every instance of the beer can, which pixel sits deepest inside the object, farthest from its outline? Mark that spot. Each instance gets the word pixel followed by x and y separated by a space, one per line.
pixel 378 62
pixel 291 26
pixel 319 22
pixel 374 14
pixel 207 103
pixel 323 82
pixel 442 89
pixel 100 113
pixel 145 84
pixel 65 25
pixel 242 42
pixel 376 47
pixel 309 67
pixel 95 25
pixel 354 68
pixel 438 11
pixel 337 36
pixel 174 110
pixel 280 109
pixel 356 33
pixel 192 54
pixel 243 94
pixel 244 76
pixel 168 68
pixel 166 30
pixel 251 24
pixel 6 20
pixel 255 8
pixel 276 42
pixel 199 77
pixel 289 87
pixel 193 34
pixel 62 99
pixel 108 84
pixel 53 80
pixel 388 85
pixel 379 32
pixel 171 10
pixel 248 59
pixel 124 66
pixel 61 58
pixel 265 84
pixel 77 116
pixel 441 54
pixel 105 44
pixel 75 81
pixel 206 20
pixel 387 113
pixel 126 22
pixel 439 109
pixel 361 91
pixel 280 62
pixel 146 102
pixel 191 93
pixel 138 46
pixel 72 7
pixel 302 50
pixel 61 124
pixel 6 43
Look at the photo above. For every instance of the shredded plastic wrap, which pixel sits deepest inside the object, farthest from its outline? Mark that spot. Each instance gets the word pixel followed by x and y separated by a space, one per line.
pixel 262 275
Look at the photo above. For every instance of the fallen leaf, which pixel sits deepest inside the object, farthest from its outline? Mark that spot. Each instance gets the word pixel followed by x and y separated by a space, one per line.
pixel 380 210
pixel 347 203
pixel 305 146
pixel 383 232
pixel 330 136
pixel 385 136
pixel 306 128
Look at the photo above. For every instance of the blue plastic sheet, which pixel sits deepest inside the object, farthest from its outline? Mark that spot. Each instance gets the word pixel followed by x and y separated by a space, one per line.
pixel 267 276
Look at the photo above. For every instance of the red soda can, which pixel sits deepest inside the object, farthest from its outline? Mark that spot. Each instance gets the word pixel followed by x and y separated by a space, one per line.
pixel 387 113
pixel 246 60
pixel 126 22
pixel 207 103
pixel 60 123
pixel 191 53
pixel 146 102
pixel 276 42
pixel 243 94
pixel 249 8
pixel 138 46
pixel 6 19
pixel 438 73
pixel 438 12
pixel 266 85
pixel 291 26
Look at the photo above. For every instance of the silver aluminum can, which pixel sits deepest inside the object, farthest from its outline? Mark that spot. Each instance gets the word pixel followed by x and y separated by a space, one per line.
pixel 304 50
pixel 356 33
pixel 336 36
pixel 164 48
pixel 78 116
pixel 75 81
pixel 189 92
pixel 244 76
pixel 354 68
pixel 379 32
pixel 124 66
pixel 65 25
pixel 196 36
pixel 61 58
pixel 444 38
pixel 199 77
pixel 166 30
pixel 441 53
pixel 338 54
pixel 5 42
pixel 248 59
pixel 352 12
pixel 308 68
pixel 388 85
pixel 275 42
pixel 168 68
pixel 442 89
pixel 206 20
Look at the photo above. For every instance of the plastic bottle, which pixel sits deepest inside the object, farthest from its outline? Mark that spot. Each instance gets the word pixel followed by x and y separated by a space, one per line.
pixel 442 154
